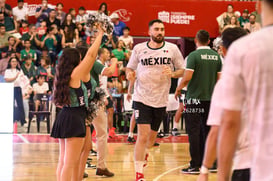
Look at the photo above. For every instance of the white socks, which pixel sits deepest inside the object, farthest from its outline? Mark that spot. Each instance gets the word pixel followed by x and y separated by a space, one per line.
pixel 175 124
pixel 131 134
pixel 139 166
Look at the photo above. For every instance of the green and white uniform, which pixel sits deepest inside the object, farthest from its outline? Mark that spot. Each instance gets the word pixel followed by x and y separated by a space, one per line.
pixel 205 63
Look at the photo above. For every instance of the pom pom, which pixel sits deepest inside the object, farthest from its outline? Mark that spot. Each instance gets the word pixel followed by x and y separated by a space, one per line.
pixel 105 20
pixel 95 103
pixel 92 111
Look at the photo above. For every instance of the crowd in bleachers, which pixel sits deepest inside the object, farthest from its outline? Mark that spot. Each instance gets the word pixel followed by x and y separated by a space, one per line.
pixel 251 22
pixel 37 46
pixel 229 19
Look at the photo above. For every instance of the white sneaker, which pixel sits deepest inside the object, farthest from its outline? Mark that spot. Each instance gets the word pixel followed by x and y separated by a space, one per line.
pixel 34 119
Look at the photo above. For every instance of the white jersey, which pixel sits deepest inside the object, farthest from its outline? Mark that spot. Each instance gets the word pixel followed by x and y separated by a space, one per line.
pixel 152 87
pixel 40 89
pixel 103 79
pixel 247 80
pixel 243 150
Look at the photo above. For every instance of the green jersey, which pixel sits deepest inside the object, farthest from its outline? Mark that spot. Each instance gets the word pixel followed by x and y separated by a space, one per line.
pixel 78 96
pixel 24 53
pixel 243 21
pixel 119 54
pixel 96 71
pixel 27 36
pixel 49 43
pixel 94 85
pixel 205 63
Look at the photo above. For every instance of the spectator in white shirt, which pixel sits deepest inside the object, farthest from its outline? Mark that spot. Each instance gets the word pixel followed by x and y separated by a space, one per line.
pixel 20 13
pixel 127 39
pixel 252 26
pixel 13 75
pixel 82 16
pixel 39 89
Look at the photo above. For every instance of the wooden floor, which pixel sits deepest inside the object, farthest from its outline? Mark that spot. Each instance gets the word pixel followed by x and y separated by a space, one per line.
pixel 34 158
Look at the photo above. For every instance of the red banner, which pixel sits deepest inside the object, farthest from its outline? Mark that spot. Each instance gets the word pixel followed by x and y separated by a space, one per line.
pixel 182 18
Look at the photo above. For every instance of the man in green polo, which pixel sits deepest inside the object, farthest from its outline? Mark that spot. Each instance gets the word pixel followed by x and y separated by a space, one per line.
pixel 202 71
pixel 100 72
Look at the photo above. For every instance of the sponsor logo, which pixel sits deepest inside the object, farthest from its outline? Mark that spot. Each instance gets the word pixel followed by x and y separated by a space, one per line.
pixel 209 57
pixel 176 17
pixel 156 61
pixel 136 114
pixel 124 14
pixel 164 16
pixel 32 8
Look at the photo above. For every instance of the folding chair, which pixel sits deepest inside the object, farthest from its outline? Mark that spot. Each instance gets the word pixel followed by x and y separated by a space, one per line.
pixel 43 111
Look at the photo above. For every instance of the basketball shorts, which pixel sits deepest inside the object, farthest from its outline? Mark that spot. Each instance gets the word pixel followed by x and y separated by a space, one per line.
pixel 149 115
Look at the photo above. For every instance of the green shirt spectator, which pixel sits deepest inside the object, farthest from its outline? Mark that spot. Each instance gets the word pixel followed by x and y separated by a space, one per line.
pixel 243 21
pixel 119 54
pixel 29 70
pixel 49 42
pixel 33 43
pixel 9 24
pixel 244 18
pixel 25 52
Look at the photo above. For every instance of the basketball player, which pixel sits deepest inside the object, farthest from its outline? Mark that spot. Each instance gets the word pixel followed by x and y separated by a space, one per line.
pixel 247 78
pixel 241 164
pixel 154 62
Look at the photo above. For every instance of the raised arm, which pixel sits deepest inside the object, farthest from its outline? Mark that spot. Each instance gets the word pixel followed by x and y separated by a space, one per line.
pixel 110 70
pixel 38 13
pixel 87 63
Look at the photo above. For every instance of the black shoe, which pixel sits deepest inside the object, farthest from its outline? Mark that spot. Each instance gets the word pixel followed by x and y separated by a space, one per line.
pixel 191 170
pixel 213 170
pixel 85 175
pixel 156 144
pixel 89 159
pixel 131 139
pixel 175 132
pixel 93 152
pixel 89 165
pixel 160 134
pixel 104 172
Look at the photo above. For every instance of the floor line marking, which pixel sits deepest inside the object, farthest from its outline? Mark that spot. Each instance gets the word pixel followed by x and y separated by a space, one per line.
pixel 168 171
pixel 23 138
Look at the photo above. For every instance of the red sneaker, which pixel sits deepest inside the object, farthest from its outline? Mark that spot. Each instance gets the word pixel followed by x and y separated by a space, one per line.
pixel 139 177
pixel 94 134
pixel 146 160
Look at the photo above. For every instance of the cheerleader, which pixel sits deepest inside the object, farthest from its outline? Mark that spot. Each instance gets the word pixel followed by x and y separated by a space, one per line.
pixel 70 93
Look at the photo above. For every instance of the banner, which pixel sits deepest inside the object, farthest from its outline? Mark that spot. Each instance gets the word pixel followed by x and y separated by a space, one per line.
pixel 182 18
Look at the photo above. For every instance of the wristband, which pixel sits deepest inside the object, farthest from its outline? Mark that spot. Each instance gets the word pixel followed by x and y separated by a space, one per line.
pixel 204 170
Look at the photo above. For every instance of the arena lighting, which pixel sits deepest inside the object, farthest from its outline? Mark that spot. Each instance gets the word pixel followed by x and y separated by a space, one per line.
pixel 6 107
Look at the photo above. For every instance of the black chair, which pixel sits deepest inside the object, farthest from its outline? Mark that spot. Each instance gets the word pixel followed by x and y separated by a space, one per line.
pixel 43 112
